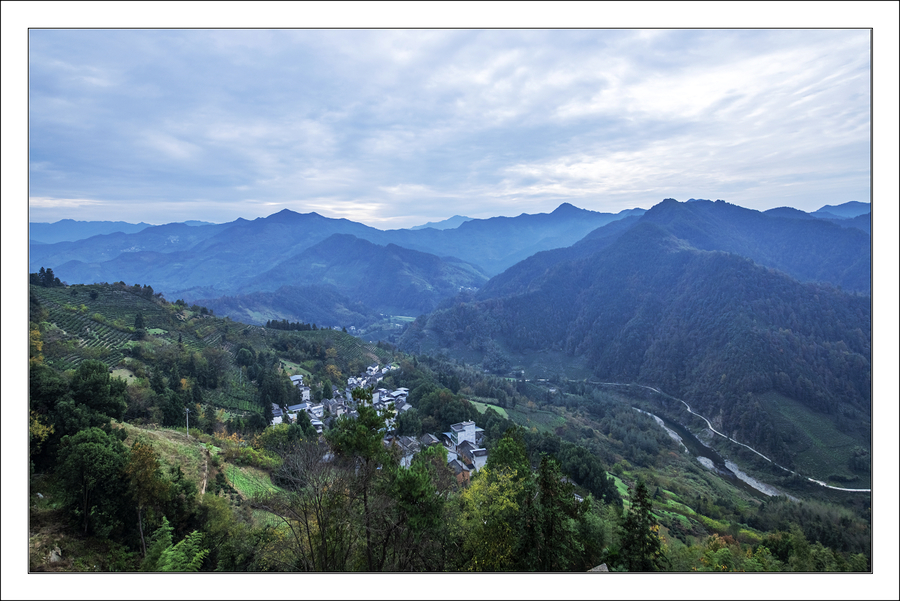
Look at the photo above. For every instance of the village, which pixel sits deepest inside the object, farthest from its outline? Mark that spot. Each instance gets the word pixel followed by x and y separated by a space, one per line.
pixel 464 441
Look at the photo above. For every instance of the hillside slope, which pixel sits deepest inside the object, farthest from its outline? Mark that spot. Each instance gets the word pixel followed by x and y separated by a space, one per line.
pixel 705 325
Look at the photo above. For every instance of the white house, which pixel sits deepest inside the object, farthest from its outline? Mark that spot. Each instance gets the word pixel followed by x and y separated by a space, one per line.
pixel 461 432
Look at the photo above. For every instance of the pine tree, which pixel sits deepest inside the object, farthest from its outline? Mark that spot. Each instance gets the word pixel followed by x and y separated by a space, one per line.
pixel 641 546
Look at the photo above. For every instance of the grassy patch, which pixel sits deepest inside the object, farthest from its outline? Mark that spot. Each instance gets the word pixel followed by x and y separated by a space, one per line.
pixel 680 507
pixel 249 481
pixel 482 407
pixel 295 369
pixel 620 486
pixel 173 448
pixel 542 420
pixel 686 523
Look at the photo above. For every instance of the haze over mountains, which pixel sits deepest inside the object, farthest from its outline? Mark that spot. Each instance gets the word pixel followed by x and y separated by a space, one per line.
pixel 215 260
pixel 411 271
pixel 69 230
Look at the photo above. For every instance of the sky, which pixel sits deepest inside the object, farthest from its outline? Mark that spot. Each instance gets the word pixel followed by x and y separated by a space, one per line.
pixel 395 128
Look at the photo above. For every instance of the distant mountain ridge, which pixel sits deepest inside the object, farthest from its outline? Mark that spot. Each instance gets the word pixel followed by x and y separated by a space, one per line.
pixel 809 250
pixel 223 258
pixel 69 230
pixel 259 256
pixel 847 210
pixel 446 224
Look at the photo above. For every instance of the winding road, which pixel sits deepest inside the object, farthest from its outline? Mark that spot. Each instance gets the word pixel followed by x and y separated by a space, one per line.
pixel 714 431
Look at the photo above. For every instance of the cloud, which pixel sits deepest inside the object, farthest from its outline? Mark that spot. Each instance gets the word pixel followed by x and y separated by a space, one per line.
pixel 437 122
pixel 44 203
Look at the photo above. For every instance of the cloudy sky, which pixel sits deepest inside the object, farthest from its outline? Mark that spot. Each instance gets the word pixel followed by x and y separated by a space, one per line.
pixel 394 128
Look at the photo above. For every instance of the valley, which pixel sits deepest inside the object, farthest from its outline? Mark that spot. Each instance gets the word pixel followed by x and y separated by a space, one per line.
pixel 694 361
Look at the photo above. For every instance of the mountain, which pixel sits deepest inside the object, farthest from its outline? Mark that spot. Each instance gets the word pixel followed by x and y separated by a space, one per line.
pixel 847 210
pixel 167 238
pixel 861 222
pixel 389 279
pixel 788 213
pixel 708 326
pixel 318 304
pixel 498 243
pixel 69 230
pixel 528 274
pixel 808 250
pixel 207 261
pixel 446 224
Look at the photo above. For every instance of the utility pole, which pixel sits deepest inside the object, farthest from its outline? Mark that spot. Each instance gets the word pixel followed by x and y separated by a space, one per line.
pixel 187 413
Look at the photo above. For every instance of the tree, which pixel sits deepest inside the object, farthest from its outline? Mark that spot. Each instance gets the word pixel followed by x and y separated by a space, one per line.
pixel 411 523
pixel 409 424
pixel 145 482
pixel 318 511
pixel 360 439
pixel 488 519
pixel 510 454
pixel 556 546
pixel 91 469
pixel 93 387
pixel 641 546
pixel 139 321
pixel 244 357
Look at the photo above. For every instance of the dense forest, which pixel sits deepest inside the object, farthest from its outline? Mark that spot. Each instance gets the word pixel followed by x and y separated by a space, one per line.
pixel 150 450
pixel 706 325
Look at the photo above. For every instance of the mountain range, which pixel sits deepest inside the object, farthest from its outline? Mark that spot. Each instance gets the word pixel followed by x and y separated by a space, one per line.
pixel 411 272
pixel 69 230
pixel 208 261
pixel 657 303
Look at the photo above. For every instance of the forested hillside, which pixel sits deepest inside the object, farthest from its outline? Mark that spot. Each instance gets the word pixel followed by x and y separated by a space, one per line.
pixel 708 326
pixel 321 304
pixel 388 279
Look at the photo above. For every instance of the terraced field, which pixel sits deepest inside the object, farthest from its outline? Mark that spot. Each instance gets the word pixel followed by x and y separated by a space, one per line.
pixel 95 328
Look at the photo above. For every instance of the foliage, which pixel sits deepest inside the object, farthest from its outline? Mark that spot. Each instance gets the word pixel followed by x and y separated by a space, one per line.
pixel 184 556
pixel 146 483
pixel 91 468
pixel 641 545
pixel 489 512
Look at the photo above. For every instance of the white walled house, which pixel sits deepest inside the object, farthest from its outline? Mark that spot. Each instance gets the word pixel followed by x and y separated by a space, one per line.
pixel 461 432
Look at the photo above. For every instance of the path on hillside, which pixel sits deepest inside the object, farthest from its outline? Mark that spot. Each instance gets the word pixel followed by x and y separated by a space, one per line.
pixel 205 473
pixel 714 431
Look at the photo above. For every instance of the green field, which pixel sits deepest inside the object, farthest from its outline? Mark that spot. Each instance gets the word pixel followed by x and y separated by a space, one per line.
pixel 541 419
pixel 482 407
pixel 620 486
pixel 249 481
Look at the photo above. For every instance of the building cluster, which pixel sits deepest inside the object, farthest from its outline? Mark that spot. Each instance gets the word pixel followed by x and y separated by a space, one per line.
pixel 464 441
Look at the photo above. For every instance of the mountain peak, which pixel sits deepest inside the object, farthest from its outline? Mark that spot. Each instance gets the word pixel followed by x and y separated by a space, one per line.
pixel 288 215
pixel 566 208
